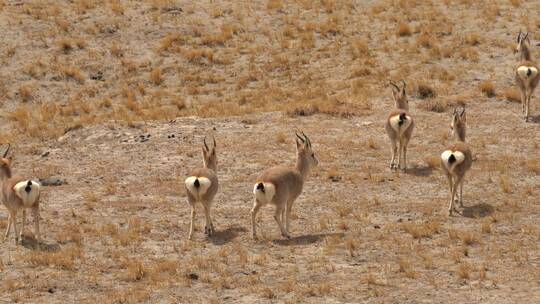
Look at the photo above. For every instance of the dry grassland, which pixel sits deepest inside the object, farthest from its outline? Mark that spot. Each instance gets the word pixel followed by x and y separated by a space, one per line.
pixel 83 83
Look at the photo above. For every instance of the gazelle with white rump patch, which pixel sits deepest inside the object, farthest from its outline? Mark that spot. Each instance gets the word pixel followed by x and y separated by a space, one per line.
pixel 527 73
pixel 456 160
pixel 281 186
pixel 202 186
pixel 18 194
pixel 399 126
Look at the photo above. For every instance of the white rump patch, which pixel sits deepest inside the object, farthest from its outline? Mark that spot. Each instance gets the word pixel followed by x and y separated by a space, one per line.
pixel 266 196
pixel 524 73
pixel 445 156
pixel 30 197
pixel 204 185
pixel 394 123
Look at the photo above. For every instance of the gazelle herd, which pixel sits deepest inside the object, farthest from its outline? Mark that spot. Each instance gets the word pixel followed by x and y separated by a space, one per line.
pixel 281 186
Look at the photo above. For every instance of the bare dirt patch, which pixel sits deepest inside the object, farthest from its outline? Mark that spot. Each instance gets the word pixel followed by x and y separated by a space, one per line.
pixel 115 97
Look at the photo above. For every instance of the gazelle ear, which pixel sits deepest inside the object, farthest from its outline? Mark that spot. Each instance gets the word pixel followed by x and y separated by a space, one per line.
pixel 298 144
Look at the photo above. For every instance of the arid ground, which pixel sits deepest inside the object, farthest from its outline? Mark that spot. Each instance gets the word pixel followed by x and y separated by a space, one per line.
pixel 93 91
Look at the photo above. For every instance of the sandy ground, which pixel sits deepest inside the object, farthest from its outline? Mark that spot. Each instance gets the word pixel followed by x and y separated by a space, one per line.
pixel 117 230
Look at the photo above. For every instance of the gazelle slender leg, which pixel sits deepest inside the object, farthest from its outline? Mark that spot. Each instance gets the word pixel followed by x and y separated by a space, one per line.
pixel 405 143
pixel 277 217
pixel 254 211
pixel 461 193
pixel 192 225
pixel 209 228
pixel 21 233
pixel 400 153
pixel 523 101
pixel 451 205
pixel 527 105
pixel 288 216
pixel 14 222
pixel 8 229
pixel 394 150
pixel 35 214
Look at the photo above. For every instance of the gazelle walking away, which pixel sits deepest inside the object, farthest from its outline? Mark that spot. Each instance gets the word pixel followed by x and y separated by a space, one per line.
pixel 18 194
pixel 399 126
pixel 202 186
pixel 527 73
pixel 456 160
pixel 281 185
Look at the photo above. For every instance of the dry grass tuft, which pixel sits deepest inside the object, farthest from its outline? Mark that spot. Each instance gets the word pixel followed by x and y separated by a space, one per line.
pixel 468 238
pixel 424 91
pixel 405 266
pixel 512 94
pixel 487 88
pixel 515 3
pixel 422 230
pixel 504 183
pixel 64 259
pixel 404 29
pixel 433 162
pixel 464 271
pixel 281 137
pixel 156 76
pixel 425 40
pixel 66 45
pixel 435 105
pixel 25 92
pixel 136 271
pixel 533 165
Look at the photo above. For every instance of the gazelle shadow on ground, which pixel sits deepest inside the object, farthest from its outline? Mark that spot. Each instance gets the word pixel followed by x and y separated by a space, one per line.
pixel 477 211
pixel 305 239
pixel 221 237
pixel 33 244
pixel 535 119
pixel 420 171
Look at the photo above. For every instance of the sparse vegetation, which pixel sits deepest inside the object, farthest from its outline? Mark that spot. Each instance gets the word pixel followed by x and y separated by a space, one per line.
pixel 512 94
pixel 487 88
pixel 108 97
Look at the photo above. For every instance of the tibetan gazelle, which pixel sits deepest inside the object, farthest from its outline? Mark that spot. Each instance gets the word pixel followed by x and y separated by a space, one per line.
pixel 456 160
pixel 202 186
pixel 18 194
pixel 280 186
pixel 399 126
pixel 527 73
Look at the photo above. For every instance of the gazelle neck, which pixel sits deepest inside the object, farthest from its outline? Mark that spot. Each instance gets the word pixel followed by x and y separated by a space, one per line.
pixel 5 173
pixel 212 166
pixel 525 54
pixel 302 165
pixel 460 134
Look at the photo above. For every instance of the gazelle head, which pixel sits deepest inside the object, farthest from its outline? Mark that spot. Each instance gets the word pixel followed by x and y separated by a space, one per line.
pixel 458 125
pixel 400 95
pixel 209 155
pixel 522 46
pixel 5 165
pixel 304 152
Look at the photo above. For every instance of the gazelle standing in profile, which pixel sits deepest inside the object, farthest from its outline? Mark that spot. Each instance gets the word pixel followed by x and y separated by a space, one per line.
pixel 527 73
pixel 281 186
pixel 399 126
pixel 456 160
pixel 18 194
pixel 202 186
